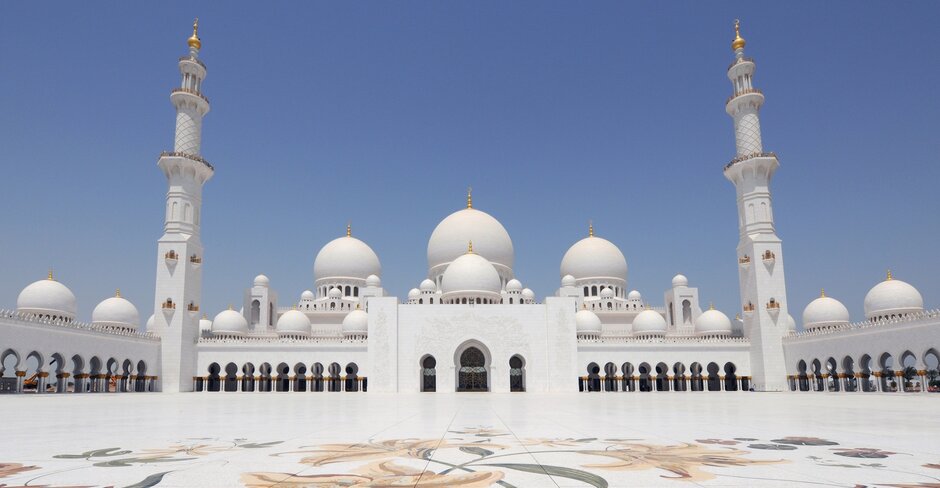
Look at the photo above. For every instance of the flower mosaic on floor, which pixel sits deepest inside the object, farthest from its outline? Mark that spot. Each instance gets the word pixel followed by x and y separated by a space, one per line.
pixel 483 457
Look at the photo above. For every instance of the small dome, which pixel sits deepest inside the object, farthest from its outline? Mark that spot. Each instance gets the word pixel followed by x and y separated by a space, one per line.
pixel 293 322
pixel 471 273
pixel 205 325
pixel 414 293
pixel 229 322
pixel 356 323
pixel 568 280
pixel 428 286
pixel 150 323
pixel 825 312
pixel 346 257
pixel 594 257
pixel 607 292
pixel 587 322
pixel 47 297
pixel 514 286
pixel 373 281
pixel 649 322
pixel 634 295
pixel 791 323
pixel 528 294
pixel 892 297
pixel 307 295
pixel 117 312
pixel 679 280
pixel 335 293
pixel 713 322
pixel 262 280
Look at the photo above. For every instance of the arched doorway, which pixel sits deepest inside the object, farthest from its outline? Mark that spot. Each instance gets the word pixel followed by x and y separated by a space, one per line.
pixel 848 370
pixel 214 382
pixel 697 383
pixel 832 372
pixel 336 383
pixel 865 373
pixel 300 377
pixel 283 377
pixel 352 377
pixel 679 379
pixel 714 381
pixel 802 377
pixel 264 383
pixel 731 377
pixel 471 372
pixel 429 374
pixel 231 377
pixel 516 373
pixel 662 377
pixel 645 384
pixel 610 377
pixel 317 370
pixel 628 383
pixel 593 377
pixel 248 377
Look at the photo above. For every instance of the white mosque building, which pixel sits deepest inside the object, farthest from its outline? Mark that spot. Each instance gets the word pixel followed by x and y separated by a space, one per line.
pixel 471 325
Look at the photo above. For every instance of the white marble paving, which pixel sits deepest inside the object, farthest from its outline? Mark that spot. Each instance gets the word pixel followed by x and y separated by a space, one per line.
pixel 470 440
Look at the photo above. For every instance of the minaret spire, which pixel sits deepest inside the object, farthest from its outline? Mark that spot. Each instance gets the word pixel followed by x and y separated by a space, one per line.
pixel 590 228
pixel 348 229
pixel 763 288
pixel 469 197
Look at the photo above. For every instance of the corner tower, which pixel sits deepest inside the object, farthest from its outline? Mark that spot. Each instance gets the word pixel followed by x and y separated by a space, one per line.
pixel 179 250
pixel 760 251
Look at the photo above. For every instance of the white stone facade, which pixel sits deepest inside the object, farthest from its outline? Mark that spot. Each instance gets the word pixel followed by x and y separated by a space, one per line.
pixel 470 324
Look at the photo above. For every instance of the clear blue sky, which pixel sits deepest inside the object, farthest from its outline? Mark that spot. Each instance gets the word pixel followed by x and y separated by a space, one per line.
pixel 383 113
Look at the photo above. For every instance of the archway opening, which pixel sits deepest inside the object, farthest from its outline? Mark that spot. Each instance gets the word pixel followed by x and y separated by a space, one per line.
pixel 628 382
pixel 231 377
pixel 698 383
pixel 731 377
pixel 472 371
pixel 645 383
pixel 214 382
pixel 516 373
pixel 429 374
pixel 300 377
pixel 593 377
pixel 714 381
pixel 352 377
pixel 283 377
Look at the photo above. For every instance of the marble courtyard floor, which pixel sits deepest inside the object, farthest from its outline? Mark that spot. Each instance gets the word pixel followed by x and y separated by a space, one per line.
pixel 471 440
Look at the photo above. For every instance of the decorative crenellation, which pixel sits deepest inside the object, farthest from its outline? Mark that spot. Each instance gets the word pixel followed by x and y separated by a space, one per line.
pixel 275 339
pixel 746 157
pixel 648 339
pixel 30 319
pixel 866 324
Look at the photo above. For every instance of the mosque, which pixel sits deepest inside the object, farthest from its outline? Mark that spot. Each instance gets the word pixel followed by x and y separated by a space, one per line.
pixel 471 325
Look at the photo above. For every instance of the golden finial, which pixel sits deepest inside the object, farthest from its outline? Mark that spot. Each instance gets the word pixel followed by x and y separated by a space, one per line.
pixel 348 229
pixel 469 197
pixel 230 307
pixel 204 316
pixel 888 279
pixel 117 293
pixel 590 228
pixel 583 306
pixel 194 40
pixel 711 306
pixel 738 42
pixel 822 293
pixel 357 306
pixel 50 277
pixel 737 316
pixel 470 247
pixel 293 306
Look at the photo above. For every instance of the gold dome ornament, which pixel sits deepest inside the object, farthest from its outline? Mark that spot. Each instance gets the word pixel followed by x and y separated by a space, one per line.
pixel 738 42
pixel 590 228
pixel 469 197
pixel 194 41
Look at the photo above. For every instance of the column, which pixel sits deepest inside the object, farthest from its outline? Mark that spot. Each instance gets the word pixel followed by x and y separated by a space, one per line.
pixel 62 381
pixel 899 377
pixel 257 388
pixel 922 374
pixel 41 382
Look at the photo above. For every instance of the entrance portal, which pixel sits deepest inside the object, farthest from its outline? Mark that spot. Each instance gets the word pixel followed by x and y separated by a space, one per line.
pixel 472 373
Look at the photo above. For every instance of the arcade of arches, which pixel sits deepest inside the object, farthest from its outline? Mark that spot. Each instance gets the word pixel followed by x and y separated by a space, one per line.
pixel 281 378
pixel 473 371
pixel 35 373
pixel 663 377
pixel 907 373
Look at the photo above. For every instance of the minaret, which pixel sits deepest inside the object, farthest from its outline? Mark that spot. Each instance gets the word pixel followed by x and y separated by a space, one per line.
pixel 179 251
pixel 760 253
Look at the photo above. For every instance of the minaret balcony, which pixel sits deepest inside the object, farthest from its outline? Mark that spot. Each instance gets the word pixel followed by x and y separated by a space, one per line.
pixel 197 60
pixel 190 92
pixel 171 258
pixel 192 308
pixel 744 262
pixel 769 257
pixel 195 261
pixel 748 308
pixel 741 159
pixel 773 307
pixel 191 157
pixel 746 91
pixel 737 61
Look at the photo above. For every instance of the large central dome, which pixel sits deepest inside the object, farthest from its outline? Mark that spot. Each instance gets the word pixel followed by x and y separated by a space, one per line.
pixel 344 258
pixel 490 240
